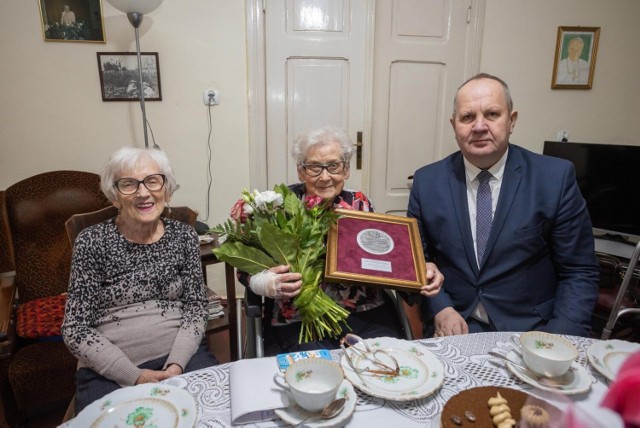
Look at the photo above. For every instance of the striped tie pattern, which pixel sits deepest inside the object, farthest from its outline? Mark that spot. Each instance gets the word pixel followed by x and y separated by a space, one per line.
pixel 484 215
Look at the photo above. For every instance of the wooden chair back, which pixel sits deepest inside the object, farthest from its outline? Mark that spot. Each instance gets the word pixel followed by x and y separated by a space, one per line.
pixel 37 209
pixel 77 222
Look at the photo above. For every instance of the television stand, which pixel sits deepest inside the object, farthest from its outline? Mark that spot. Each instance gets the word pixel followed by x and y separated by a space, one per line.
pixel 616 245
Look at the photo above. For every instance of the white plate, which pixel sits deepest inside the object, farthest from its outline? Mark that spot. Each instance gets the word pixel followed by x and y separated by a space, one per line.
pixel 421 373
pixel 294 414
pixel 578 380
pixel 607 356
pixel 162 406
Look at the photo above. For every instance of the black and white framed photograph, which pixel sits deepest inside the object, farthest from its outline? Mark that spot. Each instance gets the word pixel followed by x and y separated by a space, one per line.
pixel 119 78
pixel 72 21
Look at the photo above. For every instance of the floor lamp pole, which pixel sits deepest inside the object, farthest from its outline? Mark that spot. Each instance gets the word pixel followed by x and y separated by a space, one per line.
pixel 136 19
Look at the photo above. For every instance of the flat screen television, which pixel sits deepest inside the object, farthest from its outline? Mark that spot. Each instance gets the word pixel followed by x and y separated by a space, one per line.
pixel 609 178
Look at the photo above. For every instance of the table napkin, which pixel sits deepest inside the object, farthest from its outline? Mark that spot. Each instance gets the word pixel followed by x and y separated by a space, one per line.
pixel 624 392
pixel 254 394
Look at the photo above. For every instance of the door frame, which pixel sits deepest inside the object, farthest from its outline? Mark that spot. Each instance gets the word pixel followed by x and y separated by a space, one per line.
pixel 257 90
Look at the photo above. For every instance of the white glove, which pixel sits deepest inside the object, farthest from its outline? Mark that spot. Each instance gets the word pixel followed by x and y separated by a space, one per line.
pixel 266 283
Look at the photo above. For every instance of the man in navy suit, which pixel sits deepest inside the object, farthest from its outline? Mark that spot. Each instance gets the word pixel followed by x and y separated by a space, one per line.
pixel 538 269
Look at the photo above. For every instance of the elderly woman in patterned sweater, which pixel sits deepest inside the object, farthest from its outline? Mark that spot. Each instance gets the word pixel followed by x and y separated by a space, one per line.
pixel 136 308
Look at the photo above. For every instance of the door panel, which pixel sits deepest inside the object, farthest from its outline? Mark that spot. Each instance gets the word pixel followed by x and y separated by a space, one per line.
pixel 413 116
pixel 315 68
pixel 423 51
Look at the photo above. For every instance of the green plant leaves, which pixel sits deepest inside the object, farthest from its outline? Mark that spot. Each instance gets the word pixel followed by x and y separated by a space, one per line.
pixel 282 246
pixel 289 234
pixel 243 257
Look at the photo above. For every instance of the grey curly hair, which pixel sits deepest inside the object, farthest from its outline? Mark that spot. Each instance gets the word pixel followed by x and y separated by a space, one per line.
pixel 127 159
pixel 322 136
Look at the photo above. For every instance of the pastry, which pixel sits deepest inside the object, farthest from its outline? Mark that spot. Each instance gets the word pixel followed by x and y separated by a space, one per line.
pixel 473 403
pixel 533 416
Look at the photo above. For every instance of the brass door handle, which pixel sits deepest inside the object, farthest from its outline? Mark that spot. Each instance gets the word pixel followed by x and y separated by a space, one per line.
pixel 359 145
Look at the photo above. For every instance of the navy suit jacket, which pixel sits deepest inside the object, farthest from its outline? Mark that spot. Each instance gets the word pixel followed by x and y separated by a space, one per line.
pixel 539 270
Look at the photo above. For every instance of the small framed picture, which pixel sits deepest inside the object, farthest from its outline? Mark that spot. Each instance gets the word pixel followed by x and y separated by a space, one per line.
pixel 119 78
pixel 72 21
pixel 575 60
pixel 375 249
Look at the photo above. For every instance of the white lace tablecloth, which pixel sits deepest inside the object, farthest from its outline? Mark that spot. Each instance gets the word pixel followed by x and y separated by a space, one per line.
pixel 466 365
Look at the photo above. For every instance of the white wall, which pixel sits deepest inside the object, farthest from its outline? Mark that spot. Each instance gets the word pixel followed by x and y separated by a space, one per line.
pixel 52 115
pixel 519 45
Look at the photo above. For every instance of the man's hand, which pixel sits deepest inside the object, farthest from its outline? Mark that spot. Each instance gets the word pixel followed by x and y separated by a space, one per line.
pixel 448 322
pixel 434 281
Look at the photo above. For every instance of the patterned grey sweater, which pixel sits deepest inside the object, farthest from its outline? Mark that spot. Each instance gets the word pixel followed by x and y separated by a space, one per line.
pixel 132 303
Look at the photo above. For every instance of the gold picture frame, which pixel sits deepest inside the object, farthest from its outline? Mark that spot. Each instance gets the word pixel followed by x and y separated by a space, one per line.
pixel 366 248
pixel 79 21
pixel 575 61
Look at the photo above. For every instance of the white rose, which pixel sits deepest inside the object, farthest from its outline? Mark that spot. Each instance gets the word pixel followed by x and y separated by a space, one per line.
pixel 269 197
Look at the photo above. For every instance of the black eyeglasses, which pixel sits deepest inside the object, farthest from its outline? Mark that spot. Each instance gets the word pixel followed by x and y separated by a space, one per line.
pixel 315 169
pixel 129 186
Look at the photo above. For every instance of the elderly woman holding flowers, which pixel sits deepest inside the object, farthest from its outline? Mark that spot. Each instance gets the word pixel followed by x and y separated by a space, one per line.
pixel 322 157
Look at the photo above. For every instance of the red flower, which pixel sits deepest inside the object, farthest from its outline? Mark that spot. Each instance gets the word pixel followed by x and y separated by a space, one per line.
pixel 312 201
pixel 238 213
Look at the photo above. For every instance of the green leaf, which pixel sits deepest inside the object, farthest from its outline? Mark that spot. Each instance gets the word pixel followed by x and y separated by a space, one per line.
pixel 282 246
pixel 243 257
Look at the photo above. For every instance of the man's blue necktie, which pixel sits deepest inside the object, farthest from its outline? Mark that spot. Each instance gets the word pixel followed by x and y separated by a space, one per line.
pixel 484 215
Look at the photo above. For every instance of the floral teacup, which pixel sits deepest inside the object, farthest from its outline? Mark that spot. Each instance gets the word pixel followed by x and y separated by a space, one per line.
pixel 547 354
pixel 312 382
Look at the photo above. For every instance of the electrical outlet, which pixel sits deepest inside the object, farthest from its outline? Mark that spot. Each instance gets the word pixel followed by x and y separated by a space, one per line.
pixel 211 97
pixel 562 136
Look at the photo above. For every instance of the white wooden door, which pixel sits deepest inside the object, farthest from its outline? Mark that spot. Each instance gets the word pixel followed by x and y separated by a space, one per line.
pixel 325 63
pixel 316 68
pixel 424 49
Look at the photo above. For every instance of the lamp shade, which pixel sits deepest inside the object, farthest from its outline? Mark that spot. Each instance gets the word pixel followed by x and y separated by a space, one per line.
pixel 135 6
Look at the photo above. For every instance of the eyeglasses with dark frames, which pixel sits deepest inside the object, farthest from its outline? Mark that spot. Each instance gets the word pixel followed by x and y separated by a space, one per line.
pixel 129 186
pixel 315 169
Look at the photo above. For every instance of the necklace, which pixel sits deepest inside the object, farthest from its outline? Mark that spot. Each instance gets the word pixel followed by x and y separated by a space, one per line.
pixel 574 70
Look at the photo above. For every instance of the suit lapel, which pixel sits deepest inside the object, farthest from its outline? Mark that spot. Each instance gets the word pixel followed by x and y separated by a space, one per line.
pixel 458 187
pixel 508 189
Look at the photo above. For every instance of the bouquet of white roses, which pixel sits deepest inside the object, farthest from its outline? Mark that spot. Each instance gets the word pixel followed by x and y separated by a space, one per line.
pixel 276 228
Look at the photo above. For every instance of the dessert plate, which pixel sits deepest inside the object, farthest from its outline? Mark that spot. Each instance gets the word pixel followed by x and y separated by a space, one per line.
pixel 149 404
pixel 607 356
pixel 576 381
pixel 421 373
pixel 295 414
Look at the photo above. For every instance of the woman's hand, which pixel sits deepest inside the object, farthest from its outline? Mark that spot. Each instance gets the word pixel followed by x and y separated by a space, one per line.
pixel 276 283
pixel 154 376
pixel 434 281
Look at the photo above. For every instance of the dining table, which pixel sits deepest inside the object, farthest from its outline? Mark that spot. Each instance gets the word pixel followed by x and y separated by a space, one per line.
pixel 466 363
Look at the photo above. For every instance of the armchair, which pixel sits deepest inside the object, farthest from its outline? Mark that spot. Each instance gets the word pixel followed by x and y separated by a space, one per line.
pixel 41 370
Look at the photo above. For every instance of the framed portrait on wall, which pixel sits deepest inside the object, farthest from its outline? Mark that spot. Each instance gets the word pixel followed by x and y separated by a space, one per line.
pixel 119 77
pixel 575 60
pixel 72 21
